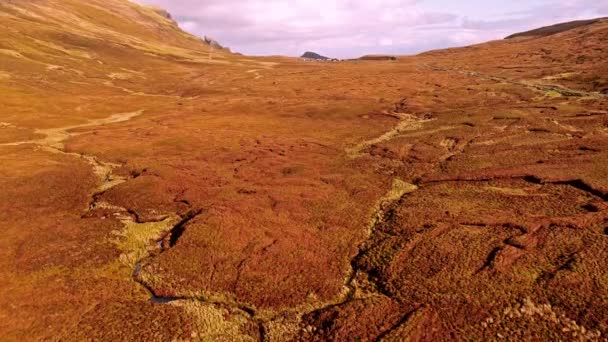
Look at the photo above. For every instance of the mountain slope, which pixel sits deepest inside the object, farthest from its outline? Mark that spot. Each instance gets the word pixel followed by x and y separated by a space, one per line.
pixel 53 48
pixel 90 35
pixel 573 58
pixel 557 28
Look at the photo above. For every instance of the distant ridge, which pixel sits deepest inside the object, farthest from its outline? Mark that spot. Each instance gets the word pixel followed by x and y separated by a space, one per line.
pixel 378 58
pixel 557 28
pixel 314 55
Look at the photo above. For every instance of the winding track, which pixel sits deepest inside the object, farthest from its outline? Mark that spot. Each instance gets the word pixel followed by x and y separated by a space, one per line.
pixel 54 139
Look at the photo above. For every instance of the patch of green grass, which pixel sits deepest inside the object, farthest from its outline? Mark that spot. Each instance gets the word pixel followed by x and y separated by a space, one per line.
pixel 214 323
pixel 134 240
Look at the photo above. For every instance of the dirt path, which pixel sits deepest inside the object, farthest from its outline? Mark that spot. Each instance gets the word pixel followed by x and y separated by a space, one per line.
pixel 255 72
pixel 407 122
pixel 54 137
pixel 261 66
pixel 139 93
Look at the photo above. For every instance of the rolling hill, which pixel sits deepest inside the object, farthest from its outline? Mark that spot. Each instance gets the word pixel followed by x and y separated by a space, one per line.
pixel 557 28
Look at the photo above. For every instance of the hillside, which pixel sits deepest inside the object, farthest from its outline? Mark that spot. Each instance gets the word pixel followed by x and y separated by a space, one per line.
pixel 155 187
pixel 557 28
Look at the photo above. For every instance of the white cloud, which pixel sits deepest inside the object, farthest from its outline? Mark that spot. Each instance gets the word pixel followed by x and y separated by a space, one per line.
pixel 188 25
pixel 348 28
pixel 385 42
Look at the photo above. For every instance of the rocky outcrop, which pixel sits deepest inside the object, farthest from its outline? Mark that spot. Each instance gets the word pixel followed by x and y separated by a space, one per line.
pixel 162 12
pixel 214 44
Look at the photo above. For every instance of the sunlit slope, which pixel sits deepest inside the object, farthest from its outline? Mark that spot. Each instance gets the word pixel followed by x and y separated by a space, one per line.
pixel 59 32
pixel 62 60
pixel 557 28
pixel 574 58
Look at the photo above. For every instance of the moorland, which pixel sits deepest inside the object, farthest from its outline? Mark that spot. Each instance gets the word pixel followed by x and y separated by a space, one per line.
pixel 155 186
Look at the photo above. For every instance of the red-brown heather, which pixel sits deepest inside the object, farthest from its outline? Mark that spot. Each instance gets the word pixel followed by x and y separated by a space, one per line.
pixel 156 187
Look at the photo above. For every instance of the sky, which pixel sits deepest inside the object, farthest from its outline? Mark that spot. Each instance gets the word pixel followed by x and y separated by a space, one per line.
pixel 352 28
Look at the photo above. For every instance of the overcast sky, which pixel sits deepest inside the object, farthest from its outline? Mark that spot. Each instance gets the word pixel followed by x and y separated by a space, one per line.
pixel 351 28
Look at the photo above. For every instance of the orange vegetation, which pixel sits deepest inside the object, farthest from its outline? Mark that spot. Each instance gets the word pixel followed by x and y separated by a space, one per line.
pixel 156 188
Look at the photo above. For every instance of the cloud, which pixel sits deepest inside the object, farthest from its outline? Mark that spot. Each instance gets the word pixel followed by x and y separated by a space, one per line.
pixel 349 28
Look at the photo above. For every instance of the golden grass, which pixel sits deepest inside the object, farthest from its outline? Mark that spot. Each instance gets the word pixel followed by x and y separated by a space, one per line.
pixel 562 76
pixel 399 188
pixel 214 323
pixel 136 238
pixel 262 142
pixel 407 122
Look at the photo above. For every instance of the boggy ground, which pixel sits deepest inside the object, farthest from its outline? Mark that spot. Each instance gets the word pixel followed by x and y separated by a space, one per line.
pixel 154 189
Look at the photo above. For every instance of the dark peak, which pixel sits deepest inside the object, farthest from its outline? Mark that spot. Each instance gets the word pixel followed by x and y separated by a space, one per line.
pixel 314 55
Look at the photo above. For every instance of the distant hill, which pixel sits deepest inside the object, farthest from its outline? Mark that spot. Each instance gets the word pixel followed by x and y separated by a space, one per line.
pixel 554 29
pixel 314 55
pixel 378 58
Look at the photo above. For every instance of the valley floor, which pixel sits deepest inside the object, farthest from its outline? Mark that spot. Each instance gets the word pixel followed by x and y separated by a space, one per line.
pixel 456 195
